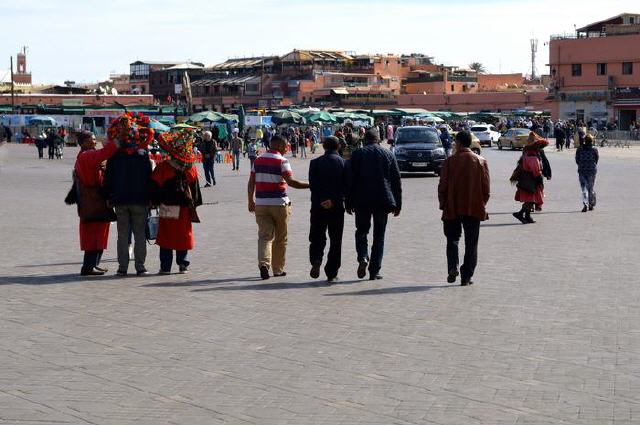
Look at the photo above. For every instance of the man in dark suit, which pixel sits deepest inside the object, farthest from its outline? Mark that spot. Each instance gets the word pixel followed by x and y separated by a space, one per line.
pixel 375 190
pixel 327 181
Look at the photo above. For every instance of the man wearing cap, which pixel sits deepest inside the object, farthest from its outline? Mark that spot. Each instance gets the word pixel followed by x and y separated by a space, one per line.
pixel 236 147
pixel 268 199
pixel 375 190
pixel 327 181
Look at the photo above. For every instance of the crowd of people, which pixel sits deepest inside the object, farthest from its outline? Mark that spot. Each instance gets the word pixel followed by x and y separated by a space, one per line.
pixel 354 176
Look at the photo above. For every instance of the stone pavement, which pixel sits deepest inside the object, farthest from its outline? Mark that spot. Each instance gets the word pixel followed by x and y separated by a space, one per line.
pixel 549 333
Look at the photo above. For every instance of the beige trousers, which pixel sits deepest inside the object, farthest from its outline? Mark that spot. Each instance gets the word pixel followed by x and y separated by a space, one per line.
pixel 272 235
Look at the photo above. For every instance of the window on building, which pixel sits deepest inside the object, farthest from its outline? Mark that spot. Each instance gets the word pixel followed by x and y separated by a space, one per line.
pixel 576 69
pixel 627 68
pixel 601 69
pixel 453 88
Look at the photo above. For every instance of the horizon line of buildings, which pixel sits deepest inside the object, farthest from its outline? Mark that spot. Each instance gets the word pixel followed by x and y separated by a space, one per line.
pixel 594 74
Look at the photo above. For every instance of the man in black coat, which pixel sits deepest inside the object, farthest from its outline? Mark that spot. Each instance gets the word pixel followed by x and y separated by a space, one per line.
pixel 127 184
pixel 327 181
pixel 375 190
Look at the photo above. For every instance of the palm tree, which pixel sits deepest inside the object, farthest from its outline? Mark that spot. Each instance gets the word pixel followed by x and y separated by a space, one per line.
pixel 478 67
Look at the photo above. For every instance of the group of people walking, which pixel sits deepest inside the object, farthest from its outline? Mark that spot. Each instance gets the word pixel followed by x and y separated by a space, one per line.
pixel 369 186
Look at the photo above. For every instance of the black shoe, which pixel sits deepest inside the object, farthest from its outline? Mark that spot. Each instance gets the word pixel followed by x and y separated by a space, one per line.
pixel 529 220
pixel 375 276
pixel 142 272
pixel 315 271
pixel 452 276
pixel 362 269
pixel 164 272
pixel 584 208
pixel 283 274
pixel 264 273
pixel 519 215
pixel 91 272
pixel 591 208
pixel 121 272
pixel 332 279
pixel 183 269
pixel 207 185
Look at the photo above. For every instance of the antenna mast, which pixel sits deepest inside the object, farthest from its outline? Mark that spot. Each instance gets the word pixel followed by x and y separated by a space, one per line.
pixel 534 50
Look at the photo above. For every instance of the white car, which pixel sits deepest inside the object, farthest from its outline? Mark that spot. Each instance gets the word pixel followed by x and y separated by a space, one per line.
pixel 486 133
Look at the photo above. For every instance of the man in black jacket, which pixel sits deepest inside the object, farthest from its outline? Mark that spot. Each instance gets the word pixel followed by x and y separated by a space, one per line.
pixel 126 183
pixel 375 190
pixel 209 149
pixel 327 181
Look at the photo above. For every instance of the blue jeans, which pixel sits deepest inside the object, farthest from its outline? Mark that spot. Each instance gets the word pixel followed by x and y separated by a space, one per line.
pixel 236 160
pixel 166 258
pixel 207 165
pixel 363 225
pixel 586 185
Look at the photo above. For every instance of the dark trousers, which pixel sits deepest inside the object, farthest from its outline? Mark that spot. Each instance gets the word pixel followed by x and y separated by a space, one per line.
pixel 166 258
pixel 209 175
pixel 363 224
pixel 91 260
pixel 453 231
pixel 323 220
pixel 51 151
pixel 559 144
pixel 40 152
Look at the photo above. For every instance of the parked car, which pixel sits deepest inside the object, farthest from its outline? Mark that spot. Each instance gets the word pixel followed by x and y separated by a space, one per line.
pixel 514 138
pixel 486 133
pixel 418 148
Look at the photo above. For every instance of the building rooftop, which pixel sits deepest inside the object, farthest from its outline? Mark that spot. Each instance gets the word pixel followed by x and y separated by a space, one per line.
pixel 621 19
pixel 240 63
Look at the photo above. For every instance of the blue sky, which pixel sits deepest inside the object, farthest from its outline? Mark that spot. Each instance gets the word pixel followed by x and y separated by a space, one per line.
pixel 85 40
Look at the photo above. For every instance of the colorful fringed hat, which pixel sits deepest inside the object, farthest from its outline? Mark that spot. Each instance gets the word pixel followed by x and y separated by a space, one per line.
pixel 179 145
pixel 535 142
pixel 132 131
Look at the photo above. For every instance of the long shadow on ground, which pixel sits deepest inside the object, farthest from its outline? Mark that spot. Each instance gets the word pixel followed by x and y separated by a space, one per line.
pixel 392 290
pixel 266 286
pixel 52 279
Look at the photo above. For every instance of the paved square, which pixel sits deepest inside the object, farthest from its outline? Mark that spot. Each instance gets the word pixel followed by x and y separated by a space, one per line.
pixel 549 334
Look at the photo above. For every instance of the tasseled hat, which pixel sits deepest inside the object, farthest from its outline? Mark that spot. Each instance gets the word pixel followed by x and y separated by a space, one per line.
pixel 535 142
pixel 132 131
pixel 179 146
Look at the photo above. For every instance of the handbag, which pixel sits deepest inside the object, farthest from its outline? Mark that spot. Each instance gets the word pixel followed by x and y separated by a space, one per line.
pixel 526 182
pixel 151 229
pixel 92 206
pixel 169 211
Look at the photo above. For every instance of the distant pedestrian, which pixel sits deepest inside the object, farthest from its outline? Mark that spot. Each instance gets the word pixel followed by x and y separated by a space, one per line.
pixel 236 146
pixel 559 136
pixel 587 159
pixel 463 192
pixel 209 148
pixel 529 179
pixel 327 181
pixel 252 152
pixel 8 134
pixel 268 199
pixel 375 190
pixel 445 138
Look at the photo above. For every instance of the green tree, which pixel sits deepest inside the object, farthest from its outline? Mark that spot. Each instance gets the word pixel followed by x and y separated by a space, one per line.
pixel 478 67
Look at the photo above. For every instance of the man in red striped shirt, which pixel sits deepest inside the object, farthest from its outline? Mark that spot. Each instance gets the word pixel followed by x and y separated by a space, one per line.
pixel 268 199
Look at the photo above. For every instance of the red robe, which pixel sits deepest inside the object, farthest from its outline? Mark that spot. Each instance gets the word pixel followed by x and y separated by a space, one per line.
pixel 177 233
pixel 531 163
pixel 94 236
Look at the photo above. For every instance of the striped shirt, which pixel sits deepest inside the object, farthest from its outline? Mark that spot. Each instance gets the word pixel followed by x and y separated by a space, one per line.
pixel 269 170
